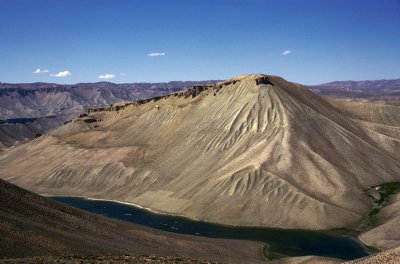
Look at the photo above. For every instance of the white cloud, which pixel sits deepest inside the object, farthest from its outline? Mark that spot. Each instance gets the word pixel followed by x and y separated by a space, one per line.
pixel 40 71
pixel 61 74
pixel 106 76
pixel 156 54
pixel 286 52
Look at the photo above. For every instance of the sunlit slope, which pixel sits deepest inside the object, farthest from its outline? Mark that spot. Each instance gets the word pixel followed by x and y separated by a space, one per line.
pixel 266 154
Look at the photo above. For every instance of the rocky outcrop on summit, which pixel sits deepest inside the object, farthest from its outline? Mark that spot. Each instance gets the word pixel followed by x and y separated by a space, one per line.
pixel 254 150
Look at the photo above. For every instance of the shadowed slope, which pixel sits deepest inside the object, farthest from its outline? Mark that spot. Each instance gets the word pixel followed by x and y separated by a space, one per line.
pixel 12 134
pixel 31 225
pixel 255 150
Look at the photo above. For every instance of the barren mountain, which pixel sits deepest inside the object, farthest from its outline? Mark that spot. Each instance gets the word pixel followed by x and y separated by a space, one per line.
pixel 253 151
pixel 31 225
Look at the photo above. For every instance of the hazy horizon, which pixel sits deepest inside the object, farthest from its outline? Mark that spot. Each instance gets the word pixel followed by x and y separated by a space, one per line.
pixel 115 82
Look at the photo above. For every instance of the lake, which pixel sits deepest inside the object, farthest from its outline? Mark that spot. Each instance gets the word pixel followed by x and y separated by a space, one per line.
pixel 281 241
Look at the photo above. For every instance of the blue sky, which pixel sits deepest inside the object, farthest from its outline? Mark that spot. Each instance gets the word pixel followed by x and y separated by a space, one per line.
pixel 308 41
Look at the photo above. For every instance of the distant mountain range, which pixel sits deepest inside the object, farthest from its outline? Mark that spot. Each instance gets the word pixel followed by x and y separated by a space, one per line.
pixel 383 91
pixel 38 100
pixel 38 107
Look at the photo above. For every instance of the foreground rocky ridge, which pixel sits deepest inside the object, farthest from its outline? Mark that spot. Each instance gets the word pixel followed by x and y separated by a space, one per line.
pixel 106 260
pixel 229 153
pixel 391 256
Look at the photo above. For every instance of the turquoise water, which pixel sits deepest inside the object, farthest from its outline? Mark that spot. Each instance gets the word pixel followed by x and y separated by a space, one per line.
pixel 280 241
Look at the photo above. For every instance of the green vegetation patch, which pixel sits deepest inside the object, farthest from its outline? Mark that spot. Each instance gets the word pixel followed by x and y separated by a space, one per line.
pixel 386 190
pixel 380 195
